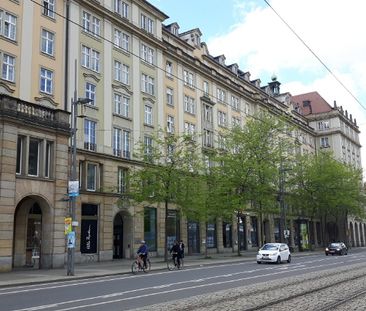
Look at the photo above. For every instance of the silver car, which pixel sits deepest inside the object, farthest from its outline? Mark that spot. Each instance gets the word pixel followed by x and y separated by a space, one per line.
pixel 274 252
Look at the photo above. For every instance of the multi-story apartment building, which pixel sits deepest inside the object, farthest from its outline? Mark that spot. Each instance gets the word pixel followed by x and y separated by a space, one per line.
pixel 138 75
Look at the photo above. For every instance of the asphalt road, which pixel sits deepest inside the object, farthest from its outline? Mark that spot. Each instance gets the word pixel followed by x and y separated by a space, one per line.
pixel 125 292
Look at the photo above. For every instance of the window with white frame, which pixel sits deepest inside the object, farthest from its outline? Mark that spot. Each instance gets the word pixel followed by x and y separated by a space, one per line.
pixel 169 69
pixel 221 95
pixel 46 81
pixel 147 23
pixel 7 67
pixel 91 176
pixel 221 118
pixel 125 42
pixel 121 72
pixel 235 121
pixel 117 142
pixel 147 53
pixel 221 141
pixel 90 58
pixel 91 24
pixel 147 84
pixel 205 88
pixel 189 104
pixel 148 144
pixel 324 142
pixel 90 135
pixel 49 8
pixel 189 129
pixel 247 109
pixel 235 103
pixel 169 96
pixel 8 25
pixel 117 71
pixel 170 124
pixel 122 105
pixel 126 144
pixel 90 90
pixel 47 42
pixel 207 113
pixel 207 138
pixel 121 39
pixel 122 179
pixel 323 125
pixel 121 8
pixel 188 78
pixel 148 115
pixel 125 74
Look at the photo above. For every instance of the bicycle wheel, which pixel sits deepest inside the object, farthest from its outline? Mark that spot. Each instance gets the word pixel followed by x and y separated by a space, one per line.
pixel 171 264
pixel 135 267
pixel 148 266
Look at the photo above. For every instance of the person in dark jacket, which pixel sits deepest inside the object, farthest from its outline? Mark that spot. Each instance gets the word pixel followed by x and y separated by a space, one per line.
pixel 143 252
pixel 176 252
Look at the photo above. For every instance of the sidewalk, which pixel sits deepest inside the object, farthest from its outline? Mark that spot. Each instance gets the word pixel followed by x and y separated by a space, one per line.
pixel 28 276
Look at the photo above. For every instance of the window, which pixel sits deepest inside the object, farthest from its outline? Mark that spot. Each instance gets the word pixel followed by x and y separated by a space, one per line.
pixel 34 156
pixel 121 40
pixel 189 129
pixel 221 118
pixel 148 118
pixel 121 105
pixel 150 228
pixel 147 54
pixel 221 141
pixel 246 108
pixel 46 84
pixel 47 42
pixel 91 24
pixel 189 104
pixel 121 143
pixel 49 8
pixel 122 8
pixel 147 23
pixel 324 142
pixel 20 147
pixel 89 135
pixel 48 159
pixel 235 121
pixel 8 25
pixel 169 96
pixel 89 229
pixel 323 125
pixel 211 236
pixel 188 78
pixel 227 234
pixel 90 58
pixel 208 138
pixel 148 143
pixel 122 179
pixel 147 84
pixel 221 95
pixel 235 103
pixel 91 177
pixel 207 113
pixel 170 124
pixel 7 67
pixel 169 69
pixel 205 88
pixel 121 72
pixel 90 92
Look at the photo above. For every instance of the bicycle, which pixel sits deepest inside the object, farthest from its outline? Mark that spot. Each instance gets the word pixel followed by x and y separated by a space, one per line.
pixel 138 265
pixel 172 263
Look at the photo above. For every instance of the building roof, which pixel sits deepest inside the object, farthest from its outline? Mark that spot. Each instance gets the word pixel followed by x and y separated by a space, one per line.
pixel 311 103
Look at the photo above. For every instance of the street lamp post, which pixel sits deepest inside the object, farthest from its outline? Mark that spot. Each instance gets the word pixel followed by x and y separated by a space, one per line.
pixel 74 184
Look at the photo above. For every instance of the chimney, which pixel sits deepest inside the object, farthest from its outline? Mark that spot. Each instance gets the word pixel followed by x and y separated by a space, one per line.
pixel 350 117
pixel 346 113
pixel 335 104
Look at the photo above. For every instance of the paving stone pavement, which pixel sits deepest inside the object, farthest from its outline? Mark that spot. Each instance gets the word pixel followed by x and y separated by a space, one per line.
pixel 252 296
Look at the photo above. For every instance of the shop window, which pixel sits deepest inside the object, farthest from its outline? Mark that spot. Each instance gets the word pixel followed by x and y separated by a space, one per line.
pixel 173 232
pixel 211 236
pixel 89 229
pixel 150 225
pixel 227 234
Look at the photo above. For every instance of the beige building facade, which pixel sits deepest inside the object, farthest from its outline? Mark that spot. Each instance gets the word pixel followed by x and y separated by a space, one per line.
pixel 139 75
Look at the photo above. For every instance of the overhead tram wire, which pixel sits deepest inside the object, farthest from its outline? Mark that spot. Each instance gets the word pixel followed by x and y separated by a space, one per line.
pixel 153 65
pixel 316 56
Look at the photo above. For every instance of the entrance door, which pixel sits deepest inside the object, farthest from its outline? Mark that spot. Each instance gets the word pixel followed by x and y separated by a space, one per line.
pixel 118 237
pixel 34 234
pixel 193 237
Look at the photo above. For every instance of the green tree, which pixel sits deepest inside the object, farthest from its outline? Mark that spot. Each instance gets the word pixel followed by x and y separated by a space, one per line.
pixel 325 188
pixel 160 176
pixel 251 164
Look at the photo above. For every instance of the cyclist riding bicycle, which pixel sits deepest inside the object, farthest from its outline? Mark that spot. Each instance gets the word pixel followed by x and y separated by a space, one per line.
pixel 175 250
pixel 143 252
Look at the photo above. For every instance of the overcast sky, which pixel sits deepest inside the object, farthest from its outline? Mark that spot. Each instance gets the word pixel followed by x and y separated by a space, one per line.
pixel 251 34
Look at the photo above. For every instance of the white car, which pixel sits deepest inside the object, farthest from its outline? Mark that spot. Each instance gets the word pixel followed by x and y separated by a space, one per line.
pixel 274 252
